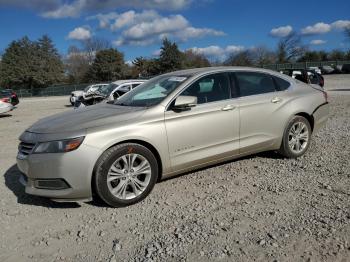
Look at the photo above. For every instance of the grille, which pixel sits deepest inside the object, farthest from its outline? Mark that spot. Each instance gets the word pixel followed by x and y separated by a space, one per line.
pixel 25 148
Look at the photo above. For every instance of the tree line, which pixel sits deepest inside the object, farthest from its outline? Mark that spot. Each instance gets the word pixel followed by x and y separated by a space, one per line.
pixel 36 64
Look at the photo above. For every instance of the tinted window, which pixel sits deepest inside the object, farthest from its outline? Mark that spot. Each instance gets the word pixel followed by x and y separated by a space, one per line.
pixel 281 83
pixel 252 83
pixel 135 85
pixel 210 88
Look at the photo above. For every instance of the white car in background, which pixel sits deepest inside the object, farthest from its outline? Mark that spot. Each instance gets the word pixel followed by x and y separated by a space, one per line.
pixel 316 69
pixel 5 107
pixel 79 93
pixel 120 87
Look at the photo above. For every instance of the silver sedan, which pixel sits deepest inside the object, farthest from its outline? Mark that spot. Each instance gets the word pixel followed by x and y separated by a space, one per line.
pixel 174 123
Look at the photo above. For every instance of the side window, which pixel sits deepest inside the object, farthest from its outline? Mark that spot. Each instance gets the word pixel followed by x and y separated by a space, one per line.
pixel 210 88
pixel 125 88
pixel 253 83
pixel 135 85
pixel 281 83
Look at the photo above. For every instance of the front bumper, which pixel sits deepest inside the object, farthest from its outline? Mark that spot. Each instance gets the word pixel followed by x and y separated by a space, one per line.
pixel 72 99
pixel 320 115
pixel 74 168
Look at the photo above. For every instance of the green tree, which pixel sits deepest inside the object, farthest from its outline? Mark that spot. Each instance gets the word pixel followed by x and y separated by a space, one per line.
pixel 50 65
pixel 170 57
pixel 108 65
pixel 29 64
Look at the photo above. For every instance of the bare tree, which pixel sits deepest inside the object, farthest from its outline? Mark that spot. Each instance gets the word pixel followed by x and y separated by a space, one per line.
pixel 261 55
pixel 289 48
pixel 93 45
pixel 77 64
pixel 242 58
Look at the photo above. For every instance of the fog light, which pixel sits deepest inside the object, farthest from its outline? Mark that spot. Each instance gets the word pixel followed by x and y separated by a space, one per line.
pixel 51 184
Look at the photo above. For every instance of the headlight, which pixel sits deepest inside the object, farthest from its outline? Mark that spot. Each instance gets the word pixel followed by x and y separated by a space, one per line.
pixel 59 146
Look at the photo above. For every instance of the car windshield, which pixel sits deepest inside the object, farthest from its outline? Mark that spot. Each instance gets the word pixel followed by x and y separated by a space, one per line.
pixel 107 90
pixel 87 89
pixel 151 92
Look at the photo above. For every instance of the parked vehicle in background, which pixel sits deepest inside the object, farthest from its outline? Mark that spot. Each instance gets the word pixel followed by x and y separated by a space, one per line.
pixel 5 107
pixel 108 92
pixel 316 69
pixel 346 68
pixel 174 123
pixel 75 95
pixel 8 95
pixel 307 76
pixel 327 70
pixel 118 88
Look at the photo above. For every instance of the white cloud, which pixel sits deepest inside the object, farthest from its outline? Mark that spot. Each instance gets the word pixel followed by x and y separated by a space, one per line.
pixel 148 27
pixel 217 52
pixel 281 31
pixel 77 7
pixel 318 28
pixel 317 42
pixel 341 24
pixel 80 33
pixel 156 52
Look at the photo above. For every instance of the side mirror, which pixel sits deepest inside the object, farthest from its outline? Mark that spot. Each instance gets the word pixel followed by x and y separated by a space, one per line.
pixel 184 103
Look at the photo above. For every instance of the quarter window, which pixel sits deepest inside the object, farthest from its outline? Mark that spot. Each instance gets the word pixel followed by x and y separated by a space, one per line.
pixel 253 83
pixel 281 83
pixel 210 88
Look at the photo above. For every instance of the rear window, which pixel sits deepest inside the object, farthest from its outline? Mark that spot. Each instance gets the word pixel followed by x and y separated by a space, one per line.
pixel 281 83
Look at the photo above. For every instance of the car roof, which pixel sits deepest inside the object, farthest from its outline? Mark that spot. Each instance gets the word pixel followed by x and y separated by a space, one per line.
pixel 198 71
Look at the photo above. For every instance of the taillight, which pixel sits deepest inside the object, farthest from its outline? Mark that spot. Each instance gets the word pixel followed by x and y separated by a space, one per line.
pixel 5 99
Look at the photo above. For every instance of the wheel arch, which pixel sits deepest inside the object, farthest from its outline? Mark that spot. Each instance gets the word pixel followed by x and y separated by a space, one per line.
pixel 135 141
pixel 309 118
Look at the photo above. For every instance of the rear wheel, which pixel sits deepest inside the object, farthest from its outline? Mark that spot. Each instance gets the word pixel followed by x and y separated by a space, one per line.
pixel 296 138
pixel 125 174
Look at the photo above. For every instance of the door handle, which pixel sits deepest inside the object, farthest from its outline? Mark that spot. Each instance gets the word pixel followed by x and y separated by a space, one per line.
pixel 276 100
pixel 228 108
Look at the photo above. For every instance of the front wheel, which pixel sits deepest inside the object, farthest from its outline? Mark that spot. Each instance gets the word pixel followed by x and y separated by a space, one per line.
pixel 296 138
pixel 125 174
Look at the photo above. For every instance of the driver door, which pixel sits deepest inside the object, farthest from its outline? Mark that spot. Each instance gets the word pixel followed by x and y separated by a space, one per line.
pixel 210 130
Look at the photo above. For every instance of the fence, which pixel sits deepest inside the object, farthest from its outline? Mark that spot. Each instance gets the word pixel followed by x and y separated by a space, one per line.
pixel 55 90
pixel 304 65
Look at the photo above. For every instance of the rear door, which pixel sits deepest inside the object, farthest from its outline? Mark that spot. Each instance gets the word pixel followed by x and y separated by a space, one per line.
pixel 261 110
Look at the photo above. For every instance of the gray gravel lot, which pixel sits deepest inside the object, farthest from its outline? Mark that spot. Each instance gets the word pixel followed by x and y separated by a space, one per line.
pixel 259 208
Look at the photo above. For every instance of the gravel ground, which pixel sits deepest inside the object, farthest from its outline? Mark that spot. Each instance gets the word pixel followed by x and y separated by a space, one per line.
pixel 259 208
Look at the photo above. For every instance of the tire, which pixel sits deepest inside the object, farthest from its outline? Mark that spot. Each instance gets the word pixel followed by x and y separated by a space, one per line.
pixel 296 142
pixel 119 185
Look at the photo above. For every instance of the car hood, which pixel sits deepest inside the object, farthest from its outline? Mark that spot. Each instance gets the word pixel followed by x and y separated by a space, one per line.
pixel 78 93
pixel 84 118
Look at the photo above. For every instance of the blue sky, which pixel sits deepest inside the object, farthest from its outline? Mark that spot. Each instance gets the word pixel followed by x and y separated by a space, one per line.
pixel 212 27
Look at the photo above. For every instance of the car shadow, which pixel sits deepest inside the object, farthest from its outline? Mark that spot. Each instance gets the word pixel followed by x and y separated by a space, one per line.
pixel 5 115
pixel 266 154
pixel 12 182
pixel 12 176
